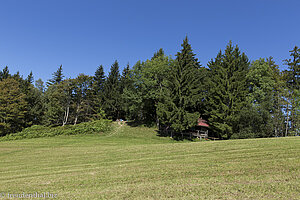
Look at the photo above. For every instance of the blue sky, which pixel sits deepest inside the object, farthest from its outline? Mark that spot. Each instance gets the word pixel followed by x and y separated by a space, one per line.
pixel 39 35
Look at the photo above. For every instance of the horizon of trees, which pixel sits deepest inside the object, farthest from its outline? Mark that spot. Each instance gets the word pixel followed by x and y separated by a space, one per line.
pixel 238 98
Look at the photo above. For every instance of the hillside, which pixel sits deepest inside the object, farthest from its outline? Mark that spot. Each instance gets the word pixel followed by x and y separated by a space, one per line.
pixel 133 163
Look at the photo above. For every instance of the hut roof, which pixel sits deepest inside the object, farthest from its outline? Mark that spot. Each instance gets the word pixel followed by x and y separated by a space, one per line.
pixel 202 122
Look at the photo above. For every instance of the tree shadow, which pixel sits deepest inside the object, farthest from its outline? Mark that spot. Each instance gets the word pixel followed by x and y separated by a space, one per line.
pixel 140 124
pixel 174 136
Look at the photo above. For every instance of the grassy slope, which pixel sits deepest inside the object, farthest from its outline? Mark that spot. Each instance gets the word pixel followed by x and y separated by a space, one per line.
pixel 133 163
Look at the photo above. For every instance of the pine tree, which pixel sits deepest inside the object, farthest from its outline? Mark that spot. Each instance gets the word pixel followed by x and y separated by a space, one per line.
pixel 99 80
pixel 125 79
pixel 30 78
pixel 160 53
pixel 294 68
pixel 112 95
pixel 98 93
pixel 4 74
pixel 227 90
pixel 125 83
pixel 181 93
pixel 34 99
pixel 57 77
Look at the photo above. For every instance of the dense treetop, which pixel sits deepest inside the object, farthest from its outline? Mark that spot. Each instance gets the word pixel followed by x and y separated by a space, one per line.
pixel 239 98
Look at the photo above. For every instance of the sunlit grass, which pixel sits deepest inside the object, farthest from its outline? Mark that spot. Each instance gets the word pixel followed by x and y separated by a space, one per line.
pixel 133 163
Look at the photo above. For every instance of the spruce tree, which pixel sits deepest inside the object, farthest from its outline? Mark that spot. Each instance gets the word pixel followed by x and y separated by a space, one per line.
pixel 30 78
pixel 4 74
pixel 125 83
pixel 227 90
pixel 181 92
pixel 112 95
pixel 98 93
pixel 125 78
pixel 159 54
pixel 57 77
pixel 99 80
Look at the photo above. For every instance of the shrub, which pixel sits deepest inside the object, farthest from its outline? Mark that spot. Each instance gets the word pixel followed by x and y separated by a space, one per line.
pixel 36 131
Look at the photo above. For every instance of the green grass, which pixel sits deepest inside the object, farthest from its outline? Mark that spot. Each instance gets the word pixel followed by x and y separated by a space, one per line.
pixel 133 163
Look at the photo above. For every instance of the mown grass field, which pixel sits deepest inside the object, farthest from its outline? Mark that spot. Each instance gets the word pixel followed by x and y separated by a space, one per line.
pixel 133 163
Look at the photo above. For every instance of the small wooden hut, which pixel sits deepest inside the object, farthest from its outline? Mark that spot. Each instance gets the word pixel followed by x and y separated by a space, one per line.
pixel 201 129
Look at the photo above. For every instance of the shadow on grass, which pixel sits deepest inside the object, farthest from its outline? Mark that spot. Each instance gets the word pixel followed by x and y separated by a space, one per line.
pixel 175 136
pixel 141 124
pixel 161 133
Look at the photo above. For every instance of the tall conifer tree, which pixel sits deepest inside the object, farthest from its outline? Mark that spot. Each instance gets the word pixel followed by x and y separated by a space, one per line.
pixel 227 90
pixel 112 95
pixel 98 93
pixel 99 80
pixel 57 77
pixel 181 93
pixel 4 74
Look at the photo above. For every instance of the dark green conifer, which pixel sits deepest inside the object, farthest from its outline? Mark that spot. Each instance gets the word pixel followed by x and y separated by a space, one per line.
pixel 4 74
pixel 57 77
pixel 99 80
pixel 228 90
pixel 181 93
pixel 112 95
pixel 30 78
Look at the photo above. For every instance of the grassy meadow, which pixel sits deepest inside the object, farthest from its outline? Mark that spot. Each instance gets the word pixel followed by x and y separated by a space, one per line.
pixel 134 163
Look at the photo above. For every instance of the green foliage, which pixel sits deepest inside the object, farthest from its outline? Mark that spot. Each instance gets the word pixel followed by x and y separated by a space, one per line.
pixel 181 93
pixel 112 91
pixel 125 83
pixel 294 69
pixel 293 84
pixel 57 77
pixel 4 74
pixel 37 131
pixel 261 83
pixel 39 84
pixel 12 107
pixel 255 120
pixel 237 99
pixel 145 85
pixel 227 90
pixel 82 98
pixel 98 81
pixel 56 96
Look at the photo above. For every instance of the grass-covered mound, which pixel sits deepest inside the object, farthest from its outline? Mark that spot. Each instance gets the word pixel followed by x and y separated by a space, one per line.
pixel 37 131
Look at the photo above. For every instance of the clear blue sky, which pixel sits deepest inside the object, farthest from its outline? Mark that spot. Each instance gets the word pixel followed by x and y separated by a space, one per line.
pixel 39 35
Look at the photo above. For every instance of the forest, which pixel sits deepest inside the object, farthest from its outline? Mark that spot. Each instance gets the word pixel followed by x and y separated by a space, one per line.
pixel 239 98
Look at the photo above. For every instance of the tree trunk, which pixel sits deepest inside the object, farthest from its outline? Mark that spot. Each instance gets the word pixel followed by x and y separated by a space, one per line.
pixel 76 115
pixel 287 122
pixel 66 116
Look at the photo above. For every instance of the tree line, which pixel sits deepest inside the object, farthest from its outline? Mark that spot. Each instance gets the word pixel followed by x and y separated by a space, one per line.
pixel 238 98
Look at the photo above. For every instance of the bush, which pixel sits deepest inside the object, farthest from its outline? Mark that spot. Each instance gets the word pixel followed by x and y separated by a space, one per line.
pixel 36 131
